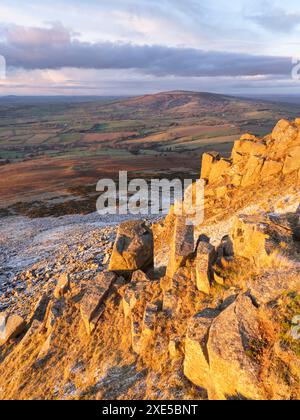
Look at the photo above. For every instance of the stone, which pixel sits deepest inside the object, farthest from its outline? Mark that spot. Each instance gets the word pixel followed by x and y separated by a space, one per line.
pixel 132 293
pixel 11 326
pixel 92 304
pixel 133 249
pixel 257 238
pixel 182 246
pixel 63 286
pixel 234 372
pixel 271 286
pixel 292 162
pixel 208 159
pixel 203 264
pixel 55 310
pixel 252 171
pixel 271 168
pixel 219 168
pixel 248 145
pixel 284 133
pixel 196 360
pixel 139 276
pixel 147 328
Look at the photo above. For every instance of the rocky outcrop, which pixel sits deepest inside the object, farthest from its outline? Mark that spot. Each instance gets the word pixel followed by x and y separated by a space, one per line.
pixel 221 323
pixel 255 160
pixel 133 249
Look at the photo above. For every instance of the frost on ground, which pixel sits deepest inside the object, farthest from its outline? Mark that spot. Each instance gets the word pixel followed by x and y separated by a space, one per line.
pixel 35 252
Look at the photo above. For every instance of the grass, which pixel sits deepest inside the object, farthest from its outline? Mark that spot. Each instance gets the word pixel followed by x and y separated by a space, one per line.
pixel 291 309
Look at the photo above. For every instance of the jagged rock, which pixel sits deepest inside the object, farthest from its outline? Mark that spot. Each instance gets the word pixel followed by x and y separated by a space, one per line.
pixel 248 145
pixel 252 171
pixel 196 360
pixel 233 372
pixel 91 306
pixel 11 326
pixel 271 168
pixel 163 233
pixel 219 168
pixel 203 264
pixel 63 286
pixel 292 162
pixel 284 135
pixel 208 160
pixel 133 249
pixel 182 246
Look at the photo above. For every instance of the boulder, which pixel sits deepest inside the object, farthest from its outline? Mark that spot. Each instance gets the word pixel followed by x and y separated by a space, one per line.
pixel 11 326
pixel 196 360
pixel 233 338
pixel 182 246
pixel 92 304
pixel 133 249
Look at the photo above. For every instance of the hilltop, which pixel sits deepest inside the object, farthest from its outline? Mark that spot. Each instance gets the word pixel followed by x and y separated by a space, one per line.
pixel 166 310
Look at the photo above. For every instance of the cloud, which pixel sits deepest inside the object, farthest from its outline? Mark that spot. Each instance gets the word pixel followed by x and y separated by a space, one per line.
pixel 275 19
pixel 57 47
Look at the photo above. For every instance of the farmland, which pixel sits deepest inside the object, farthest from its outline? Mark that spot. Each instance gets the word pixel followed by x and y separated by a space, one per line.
pixel 56 150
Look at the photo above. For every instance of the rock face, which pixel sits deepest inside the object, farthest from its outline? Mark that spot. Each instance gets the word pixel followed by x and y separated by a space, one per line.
pixel 11 326
pixel 91 306
pixel 133 249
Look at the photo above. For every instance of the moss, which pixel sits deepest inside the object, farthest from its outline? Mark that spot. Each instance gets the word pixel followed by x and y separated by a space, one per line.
pixel 256 348
pixel 291 309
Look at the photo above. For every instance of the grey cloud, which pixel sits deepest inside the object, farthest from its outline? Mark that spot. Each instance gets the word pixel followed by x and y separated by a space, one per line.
pixel 276 19
pixel 56 47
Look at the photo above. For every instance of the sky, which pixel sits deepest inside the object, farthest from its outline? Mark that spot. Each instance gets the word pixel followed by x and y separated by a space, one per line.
pixel 132 47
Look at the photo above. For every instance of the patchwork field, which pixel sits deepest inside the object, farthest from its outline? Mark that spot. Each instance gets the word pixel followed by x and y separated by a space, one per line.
pixel 55 151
